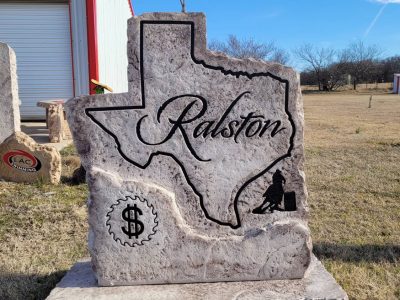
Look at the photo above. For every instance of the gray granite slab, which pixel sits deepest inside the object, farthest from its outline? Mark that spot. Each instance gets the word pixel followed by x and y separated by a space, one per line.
pixel 80 284
pixel 196 174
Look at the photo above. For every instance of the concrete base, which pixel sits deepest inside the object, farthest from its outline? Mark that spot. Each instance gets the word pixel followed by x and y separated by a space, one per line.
pixel 80 283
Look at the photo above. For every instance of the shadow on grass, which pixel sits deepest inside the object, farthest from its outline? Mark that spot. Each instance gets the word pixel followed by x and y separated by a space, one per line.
pixel 358 253
pixel 67 180
pixel 19 286
pixel 313 92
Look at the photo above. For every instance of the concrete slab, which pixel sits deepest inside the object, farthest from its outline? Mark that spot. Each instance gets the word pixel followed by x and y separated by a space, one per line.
pixel 80 283
pixel 39 132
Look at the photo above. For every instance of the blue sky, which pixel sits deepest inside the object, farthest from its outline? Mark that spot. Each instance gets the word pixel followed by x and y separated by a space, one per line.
pixel 291 23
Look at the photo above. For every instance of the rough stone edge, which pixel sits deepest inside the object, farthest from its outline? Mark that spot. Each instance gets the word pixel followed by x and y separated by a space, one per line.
pixel 15 91
pixel 80 283
pixel 16 119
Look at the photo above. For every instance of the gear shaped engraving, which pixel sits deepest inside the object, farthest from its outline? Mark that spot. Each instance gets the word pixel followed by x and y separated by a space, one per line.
pixel 132 221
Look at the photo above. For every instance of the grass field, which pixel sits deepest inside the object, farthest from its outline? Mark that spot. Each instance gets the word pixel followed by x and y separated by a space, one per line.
pixel 353 178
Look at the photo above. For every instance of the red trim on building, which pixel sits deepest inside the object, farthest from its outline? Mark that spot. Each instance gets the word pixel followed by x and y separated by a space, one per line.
pixel 72 47
pixel 92 43
pixel 398 85
pixel 131 7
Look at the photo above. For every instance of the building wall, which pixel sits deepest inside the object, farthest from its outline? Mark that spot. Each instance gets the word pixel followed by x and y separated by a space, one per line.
pixel 80 47
pixel 40 35
pixel 112 17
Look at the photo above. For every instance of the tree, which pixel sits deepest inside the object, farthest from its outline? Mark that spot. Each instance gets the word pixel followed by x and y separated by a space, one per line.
pixel 334 76
pixel 330 78
pixel 308 77
pixel 183 4
pixel 390 66
pixel 250 48
pixel 360 60
pixel 280 56
pixel 318 60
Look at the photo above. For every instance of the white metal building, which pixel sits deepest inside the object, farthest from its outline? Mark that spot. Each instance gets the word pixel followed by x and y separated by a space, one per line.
pixel 396 84
pixel 62 44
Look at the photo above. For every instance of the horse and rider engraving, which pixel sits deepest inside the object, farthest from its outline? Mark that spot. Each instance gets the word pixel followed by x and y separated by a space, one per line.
pixel 274 196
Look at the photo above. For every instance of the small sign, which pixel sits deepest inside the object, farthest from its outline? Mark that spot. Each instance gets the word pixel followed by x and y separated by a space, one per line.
pixel 22 161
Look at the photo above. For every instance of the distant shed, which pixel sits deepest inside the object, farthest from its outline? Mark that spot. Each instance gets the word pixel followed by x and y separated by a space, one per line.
pixel 396 84
pixel 62 44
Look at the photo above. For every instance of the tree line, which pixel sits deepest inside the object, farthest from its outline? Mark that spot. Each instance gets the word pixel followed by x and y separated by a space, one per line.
pixel 325 67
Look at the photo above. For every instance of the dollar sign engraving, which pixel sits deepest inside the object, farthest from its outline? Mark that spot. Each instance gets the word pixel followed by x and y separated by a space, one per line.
pixel 135 227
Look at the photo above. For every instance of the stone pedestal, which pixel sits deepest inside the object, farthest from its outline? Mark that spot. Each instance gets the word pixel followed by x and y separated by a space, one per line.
pixel 9 100
pixel 56 120
pixel 80 283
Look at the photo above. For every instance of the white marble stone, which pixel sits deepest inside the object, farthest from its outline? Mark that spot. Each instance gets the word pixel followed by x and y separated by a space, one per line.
pixel 80 283
pixel 9 100
pixel 179 167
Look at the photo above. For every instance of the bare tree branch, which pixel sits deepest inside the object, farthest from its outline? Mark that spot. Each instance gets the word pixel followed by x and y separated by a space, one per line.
pixel 250 48
pixel 318 59
pixel 360 60
pixel 280 56
pixel 183 3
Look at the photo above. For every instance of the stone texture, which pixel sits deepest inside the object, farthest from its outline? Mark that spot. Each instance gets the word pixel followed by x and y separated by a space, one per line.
pixel 9 100
pixel 179 167
pixel 56 120
pixel 80 283
pixel 23 160
pixel 55 123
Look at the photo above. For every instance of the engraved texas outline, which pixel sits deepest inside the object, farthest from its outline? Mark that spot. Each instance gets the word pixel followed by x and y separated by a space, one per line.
pixel 216 167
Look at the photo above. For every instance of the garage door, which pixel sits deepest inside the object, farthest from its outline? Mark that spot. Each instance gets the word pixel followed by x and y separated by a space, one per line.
pixel 40 36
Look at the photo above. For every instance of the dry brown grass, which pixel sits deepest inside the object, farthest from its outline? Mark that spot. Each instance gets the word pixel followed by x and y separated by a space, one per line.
pixel 42 233
pixel 353 176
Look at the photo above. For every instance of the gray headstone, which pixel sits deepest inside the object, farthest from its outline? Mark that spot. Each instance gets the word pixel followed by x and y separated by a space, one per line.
pixel 196 174
pixel 9 100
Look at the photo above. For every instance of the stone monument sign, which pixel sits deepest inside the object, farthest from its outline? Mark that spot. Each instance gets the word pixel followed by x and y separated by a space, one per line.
pixel 196 174
pixel 9 100
pixel 23 160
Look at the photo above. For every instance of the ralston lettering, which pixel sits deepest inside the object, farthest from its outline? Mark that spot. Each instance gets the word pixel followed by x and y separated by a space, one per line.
pixel 250 126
